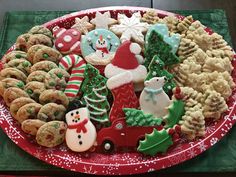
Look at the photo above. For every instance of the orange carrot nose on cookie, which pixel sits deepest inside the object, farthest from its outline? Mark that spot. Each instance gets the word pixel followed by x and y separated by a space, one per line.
pixel 77 116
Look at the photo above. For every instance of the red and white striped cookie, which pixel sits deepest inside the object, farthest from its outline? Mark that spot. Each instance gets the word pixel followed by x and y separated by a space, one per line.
pixel 76 65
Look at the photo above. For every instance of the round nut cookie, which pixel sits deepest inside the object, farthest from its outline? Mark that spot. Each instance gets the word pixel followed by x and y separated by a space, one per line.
pixel 47 53
pixel 41 30
pixel 32 50
pixel 51 134
pixel 28 111
pixel 13 73
pixel 34 89
pixel 39 39
pixel 13 93
pixel 56 79
pixel 31 126
pixel 21 42
pixel 17 104
pixel 54 96
pixel 36 76
pixel 10 82
pixel 51 111
pixel 21 64
pixel 14 55
pixel 43 66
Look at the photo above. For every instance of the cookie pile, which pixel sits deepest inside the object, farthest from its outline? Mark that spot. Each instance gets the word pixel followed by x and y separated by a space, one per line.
pixel 157 79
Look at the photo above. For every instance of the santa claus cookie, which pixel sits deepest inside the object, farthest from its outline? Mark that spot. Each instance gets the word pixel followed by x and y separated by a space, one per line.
pixel 127 59
pixel 98 46
pixel 67 40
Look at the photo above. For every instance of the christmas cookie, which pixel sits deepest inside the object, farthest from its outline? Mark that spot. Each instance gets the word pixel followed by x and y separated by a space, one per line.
pixel 67 41
pixel 130 28
pixel 151 17
pixel 56 79
pixel 82 25
pixel 122 89
pixel 28 111
pixel 20 64
pixel 76 65
pixel 31 126
pixel 34 89
pixel 38 39
pixel 21 42
pixel 98 46
pixel 126 59
pixel 13 55
pixel 153 100
pixel 81 133
pixel 41 30
pixel 53 96
pixel 10 82
pixel 51 111
pixel 17 104
pixel 103 20
pixel 13 93
pixel 36 76
pixel 47 53
pixel 43 66
pixel 51 134
pixel 32 51
pixel 12 73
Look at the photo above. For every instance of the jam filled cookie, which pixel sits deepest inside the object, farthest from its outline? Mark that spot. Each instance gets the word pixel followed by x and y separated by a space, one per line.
pixel 43 66
pixel 17 104
pixel 51 111
pixel 51 134
pixel 13 93
pixel 10 82
pixel 13 55
pixel 36 76
pixel 31 126
pixel 13 73
pixel 53 96
pixel 21 64
pixel 56 79
pixel 28 111
pixel 34 89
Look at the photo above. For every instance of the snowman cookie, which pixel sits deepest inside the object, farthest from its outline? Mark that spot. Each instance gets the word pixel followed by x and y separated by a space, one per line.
pixel 98 46
pixel 81 133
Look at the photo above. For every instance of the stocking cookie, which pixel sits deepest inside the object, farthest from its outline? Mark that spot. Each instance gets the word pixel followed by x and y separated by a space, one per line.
pixel 81 133
pixel 98 46
pixel 67 40
pixel 76 65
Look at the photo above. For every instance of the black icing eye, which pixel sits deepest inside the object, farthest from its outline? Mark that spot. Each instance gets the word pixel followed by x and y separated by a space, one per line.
pixel 157 80
pixel 165 78
pixel 72 114
pixel 77 112
pixel 73 120
pixel 103 42
pixel 76 121
pixel 99 42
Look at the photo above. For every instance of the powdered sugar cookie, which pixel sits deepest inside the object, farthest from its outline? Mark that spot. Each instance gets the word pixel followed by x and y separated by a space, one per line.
pixel 98 46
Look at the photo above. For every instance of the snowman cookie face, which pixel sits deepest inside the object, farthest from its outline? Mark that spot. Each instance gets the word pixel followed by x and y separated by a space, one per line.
pixel 81 133
pixel 98 46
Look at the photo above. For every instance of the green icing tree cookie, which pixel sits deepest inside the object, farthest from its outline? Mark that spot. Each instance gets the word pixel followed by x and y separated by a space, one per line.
pixel 156 46
pixel 135 117
pixel 155 142
pixel 156 69
pixel 95 94
pixel 175 113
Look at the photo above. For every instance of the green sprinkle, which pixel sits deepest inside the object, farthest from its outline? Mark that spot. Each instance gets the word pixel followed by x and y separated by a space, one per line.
pixel 56 113
pixel 20 84
pixel 60 75
pixel 25 64
pixel 29 91
pixel 52 83
pixel 45 55
pixel 18 55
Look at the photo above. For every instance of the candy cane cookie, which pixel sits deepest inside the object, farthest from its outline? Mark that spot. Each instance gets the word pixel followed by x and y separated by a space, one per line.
pixel 77 66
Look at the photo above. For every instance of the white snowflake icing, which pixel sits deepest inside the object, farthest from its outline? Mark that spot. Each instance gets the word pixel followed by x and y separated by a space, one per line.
pixel 191 153
pixel 213 141
pixel 89 170
pixel 210 129
pixel 202 146
pixel 233 117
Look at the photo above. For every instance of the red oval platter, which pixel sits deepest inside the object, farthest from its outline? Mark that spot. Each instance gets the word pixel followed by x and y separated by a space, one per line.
pixel 118 163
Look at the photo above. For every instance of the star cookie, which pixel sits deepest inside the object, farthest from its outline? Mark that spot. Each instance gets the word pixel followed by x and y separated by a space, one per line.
pixel 103 20
pixel 130 28
pixel 83 25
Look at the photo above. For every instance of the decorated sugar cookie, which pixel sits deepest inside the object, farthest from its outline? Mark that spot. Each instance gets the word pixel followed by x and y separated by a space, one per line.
pixel 81 133
pixel 127 58
pixel 103 20
pixel 82 25
pixel 173 40
pixel 130 28
pixel 98 46
pixel 67 40
pixel 153 99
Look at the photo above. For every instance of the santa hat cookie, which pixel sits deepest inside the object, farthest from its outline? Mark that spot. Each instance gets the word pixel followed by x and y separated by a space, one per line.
pixel 67 40
pixel 127 58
